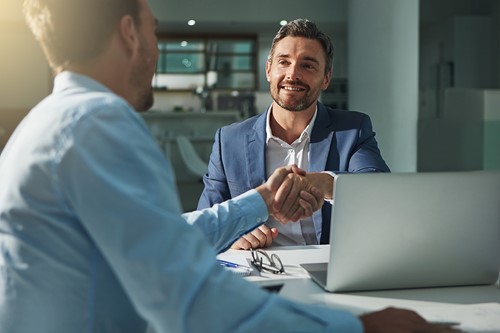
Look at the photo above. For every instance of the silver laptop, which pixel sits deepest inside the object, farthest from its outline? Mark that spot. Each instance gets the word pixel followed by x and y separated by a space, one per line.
pixel 412 230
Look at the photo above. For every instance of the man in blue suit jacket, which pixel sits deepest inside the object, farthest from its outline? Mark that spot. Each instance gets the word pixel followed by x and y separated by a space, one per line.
pixel 296 129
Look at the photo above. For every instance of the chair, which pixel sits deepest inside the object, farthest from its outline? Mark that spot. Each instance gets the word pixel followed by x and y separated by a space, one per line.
pixel 190 157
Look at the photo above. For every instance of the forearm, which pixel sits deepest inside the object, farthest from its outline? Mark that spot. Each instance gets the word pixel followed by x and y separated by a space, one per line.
pixel 254 310
pixel 224 223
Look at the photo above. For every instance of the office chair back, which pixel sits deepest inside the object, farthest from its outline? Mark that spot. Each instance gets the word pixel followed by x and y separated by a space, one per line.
pixel 191 158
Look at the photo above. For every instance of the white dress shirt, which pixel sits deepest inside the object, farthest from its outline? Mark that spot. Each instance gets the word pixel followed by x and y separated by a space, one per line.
pixel 279 153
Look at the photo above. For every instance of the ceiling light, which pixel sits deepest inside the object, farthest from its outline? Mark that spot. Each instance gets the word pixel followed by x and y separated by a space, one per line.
pixel 184 43
pixel 283 22
pixel 191 22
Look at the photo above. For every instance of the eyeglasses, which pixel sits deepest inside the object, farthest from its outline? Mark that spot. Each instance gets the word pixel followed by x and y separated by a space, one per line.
pixel 263 261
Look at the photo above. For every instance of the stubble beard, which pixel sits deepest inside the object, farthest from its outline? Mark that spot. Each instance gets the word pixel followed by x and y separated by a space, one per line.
pixel 141 80
pixel 146 100
pixel 301 105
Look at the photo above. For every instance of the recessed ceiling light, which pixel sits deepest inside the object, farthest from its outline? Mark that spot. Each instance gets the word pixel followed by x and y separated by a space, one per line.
pixel 283 22
pixel 191 22
pixel 184 43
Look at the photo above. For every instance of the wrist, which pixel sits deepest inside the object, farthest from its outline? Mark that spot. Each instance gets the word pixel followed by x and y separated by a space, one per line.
pixel 323 181
pixel 267 195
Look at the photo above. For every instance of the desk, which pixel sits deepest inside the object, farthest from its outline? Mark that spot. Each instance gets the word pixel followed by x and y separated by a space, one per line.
pixel 477 308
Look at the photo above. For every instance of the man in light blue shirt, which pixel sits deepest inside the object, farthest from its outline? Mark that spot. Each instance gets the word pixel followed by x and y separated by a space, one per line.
pixel 91 234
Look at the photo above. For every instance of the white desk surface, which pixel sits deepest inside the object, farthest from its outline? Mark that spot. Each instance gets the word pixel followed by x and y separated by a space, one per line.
pixel 476 308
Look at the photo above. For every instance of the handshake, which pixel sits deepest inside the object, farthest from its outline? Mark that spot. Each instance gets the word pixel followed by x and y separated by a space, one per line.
pixel 290 194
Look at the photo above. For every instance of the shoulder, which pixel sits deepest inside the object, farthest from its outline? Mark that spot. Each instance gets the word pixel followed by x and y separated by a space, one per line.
pixel 340 113
pixel 244 126
pixel 339 118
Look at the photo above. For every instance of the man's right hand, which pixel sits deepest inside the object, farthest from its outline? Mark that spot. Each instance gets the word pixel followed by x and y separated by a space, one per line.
pixel 401 321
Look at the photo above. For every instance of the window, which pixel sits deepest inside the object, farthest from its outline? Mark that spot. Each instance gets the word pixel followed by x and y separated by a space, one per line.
pixel 225 63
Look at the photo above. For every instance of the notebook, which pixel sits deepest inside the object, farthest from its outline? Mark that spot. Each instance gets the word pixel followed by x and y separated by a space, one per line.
pixel 412 230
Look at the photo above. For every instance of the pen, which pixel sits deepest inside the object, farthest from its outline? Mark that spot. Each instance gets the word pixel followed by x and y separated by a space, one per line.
pixel 231 264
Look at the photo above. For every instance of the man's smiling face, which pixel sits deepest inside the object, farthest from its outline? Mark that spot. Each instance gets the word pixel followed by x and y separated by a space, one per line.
pixel 296 73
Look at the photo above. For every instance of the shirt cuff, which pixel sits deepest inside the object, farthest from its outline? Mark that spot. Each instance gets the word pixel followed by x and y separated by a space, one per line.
pixel 253 203
pixel 334 175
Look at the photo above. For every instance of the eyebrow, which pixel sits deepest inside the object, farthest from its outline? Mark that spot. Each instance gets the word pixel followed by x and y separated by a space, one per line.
pixel 308 58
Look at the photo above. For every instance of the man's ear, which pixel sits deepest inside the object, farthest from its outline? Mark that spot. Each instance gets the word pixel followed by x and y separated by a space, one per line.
pixel 268 70
pixel 128 32
pixel 327 79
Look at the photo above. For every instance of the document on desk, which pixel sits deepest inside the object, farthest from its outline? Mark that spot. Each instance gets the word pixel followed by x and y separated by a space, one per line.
pixel 473 318
pixel 236 263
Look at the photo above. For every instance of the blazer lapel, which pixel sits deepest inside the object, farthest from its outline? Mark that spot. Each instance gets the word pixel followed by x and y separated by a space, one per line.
pixel 256 152
pixel 321 139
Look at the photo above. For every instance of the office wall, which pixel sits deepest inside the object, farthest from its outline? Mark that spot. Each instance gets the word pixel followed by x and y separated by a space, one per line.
pixel 495 19
pixel 383 74
pixel 491 150
pixel 466 135
pixel 460 52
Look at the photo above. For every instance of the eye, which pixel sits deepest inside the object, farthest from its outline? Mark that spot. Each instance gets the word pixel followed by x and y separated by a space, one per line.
pixel 309 66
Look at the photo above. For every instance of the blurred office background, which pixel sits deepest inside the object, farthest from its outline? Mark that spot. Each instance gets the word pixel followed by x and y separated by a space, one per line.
pixel 427 72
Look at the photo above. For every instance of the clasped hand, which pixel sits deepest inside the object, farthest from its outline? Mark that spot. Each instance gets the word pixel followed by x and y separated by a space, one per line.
pixel 294 196
pixel 289 196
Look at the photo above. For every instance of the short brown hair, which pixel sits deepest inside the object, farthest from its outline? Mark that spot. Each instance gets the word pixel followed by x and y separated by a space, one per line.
pixel 75 31
pixel 307 29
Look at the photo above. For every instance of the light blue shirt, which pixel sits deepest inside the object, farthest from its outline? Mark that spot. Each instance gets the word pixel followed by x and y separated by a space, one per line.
pixel 92 238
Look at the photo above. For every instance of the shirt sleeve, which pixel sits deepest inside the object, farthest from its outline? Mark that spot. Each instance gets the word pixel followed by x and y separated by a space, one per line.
pixel 123 190
pixel 224 223
pixel 334 176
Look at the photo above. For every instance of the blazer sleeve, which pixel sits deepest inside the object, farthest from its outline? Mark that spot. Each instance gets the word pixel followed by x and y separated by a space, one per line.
pixel 216 186
pixel 366 156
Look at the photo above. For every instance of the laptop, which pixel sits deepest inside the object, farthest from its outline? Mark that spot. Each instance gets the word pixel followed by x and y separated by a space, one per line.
pixel 412 230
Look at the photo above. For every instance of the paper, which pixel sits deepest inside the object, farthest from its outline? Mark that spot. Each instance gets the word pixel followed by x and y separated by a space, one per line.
pixel 239 260
pixel 473 318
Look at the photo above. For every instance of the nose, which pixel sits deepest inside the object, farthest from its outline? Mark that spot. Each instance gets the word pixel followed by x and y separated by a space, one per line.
pixel 294 73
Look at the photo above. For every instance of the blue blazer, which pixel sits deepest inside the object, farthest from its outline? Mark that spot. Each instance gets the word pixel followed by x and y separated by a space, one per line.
pixel 341 141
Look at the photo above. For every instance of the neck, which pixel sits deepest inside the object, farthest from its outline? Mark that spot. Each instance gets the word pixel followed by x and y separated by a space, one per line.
pixel 108 69
pixel 289 125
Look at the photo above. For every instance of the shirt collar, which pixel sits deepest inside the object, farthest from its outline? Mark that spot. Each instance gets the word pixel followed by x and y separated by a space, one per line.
pixel 306 133
pixel 67 79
